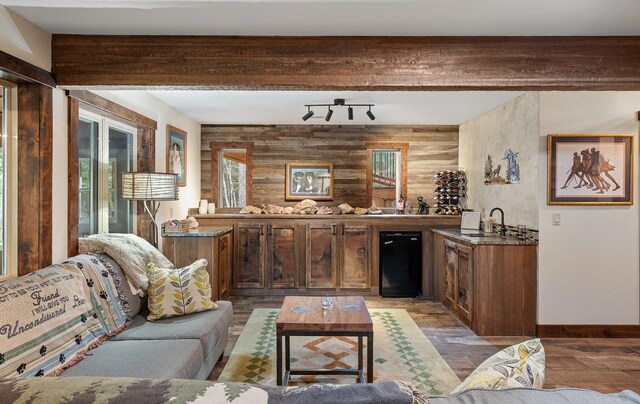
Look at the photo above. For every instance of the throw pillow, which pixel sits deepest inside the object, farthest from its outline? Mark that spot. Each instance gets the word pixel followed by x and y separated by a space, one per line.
pixel 175 292
pixel 520 365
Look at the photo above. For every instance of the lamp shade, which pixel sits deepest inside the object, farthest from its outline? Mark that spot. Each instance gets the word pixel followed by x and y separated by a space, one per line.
pixel 149 186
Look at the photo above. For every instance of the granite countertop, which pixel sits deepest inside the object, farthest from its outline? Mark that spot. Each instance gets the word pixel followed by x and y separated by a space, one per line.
pixel 201 232
pixel 493 239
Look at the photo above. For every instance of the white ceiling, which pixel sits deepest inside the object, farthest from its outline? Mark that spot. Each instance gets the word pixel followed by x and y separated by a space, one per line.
pixel 287 107
pixel 333 17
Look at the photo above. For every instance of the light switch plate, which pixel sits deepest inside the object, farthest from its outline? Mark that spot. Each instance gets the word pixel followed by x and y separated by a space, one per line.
pixel 555 219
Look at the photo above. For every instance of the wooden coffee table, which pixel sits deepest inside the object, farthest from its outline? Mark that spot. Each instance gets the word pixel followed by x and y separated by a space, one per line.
pixel 319 322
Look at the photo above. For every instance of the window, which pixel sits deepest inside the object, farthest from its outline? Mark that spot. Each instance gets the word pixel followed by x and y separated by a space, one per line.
pixel 105 148
pixel 386 174
pixel 8 180
pixel 231 174
pixel 233 178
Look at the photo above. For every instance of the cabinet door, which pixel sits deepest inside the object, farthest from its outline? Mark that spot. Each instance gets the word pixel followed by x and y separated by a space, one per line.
pixel 354 257
pixel 282 256
pixel 224 265
pixel 451 269
pixel 321 255
pixel 464 303
pixel 250 253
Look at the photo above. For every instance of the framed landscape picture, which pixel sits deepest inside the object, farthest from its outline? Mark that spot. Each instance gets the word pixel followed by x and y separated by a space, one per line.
pixel 309 181
pixel 177 153
pixel 590 169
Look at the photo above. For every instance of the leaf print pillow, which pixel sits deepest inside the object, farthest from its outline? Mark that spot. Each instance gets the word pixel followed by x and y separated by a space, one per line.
pixel 520 365
pixel 179 291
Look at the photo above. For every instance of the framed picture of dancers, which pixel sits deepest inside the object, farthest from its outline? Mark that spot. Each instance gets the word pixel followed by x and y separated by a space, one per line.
pixel 309 181
pixel 590 169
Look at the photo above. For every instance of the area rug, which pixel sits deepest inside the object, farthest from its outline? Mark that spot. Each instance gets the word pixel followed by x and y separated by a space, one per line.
pixel 400 350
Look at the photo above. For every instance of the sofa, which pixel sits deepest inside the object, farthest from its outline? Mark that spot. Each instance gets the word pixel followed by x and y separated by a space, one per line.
pixel 183 347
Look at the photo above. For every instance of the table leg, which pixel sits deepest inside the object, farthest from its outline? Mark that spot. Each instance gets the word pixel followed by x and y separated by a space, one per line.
pixel 287 359
pixel 360 367
pixel 370 357
pixel 278 358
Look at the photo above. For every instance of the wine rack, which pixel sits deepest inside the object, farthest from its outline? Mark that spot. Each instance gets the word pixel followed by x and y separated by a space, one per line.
pixel 450 191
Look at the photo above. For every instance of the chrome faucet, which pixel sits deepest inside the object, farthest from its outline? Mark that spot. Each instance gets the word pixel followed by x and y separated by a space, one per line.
pixel 503 228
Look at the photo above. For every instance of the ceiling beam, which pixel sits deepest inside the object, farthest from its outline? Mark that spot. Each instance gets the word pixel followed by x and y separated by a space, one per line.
pixel 348 63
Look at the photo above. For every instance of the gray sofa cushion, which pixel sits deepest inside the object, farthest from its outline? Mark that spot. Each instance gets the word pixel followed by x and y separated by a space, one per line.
pixel 206 326
pixel 178 359
pixel 135 302
pixel 529 396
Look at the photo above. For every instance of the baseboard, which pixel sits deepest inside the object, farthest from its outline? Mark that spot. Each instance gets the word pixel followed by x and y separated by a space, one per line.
pixel 588 330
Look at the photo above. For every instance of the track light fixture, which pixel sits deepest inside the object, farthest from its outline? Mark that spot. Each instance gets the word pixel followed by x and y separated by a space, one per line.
pixel 370 114
pixel 308 115
pixel 338 102
pixel 329 113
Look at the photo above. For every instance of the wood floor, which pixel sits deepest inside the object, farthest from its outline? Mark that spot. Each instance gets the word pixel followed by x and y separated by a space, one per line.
pixel 605 365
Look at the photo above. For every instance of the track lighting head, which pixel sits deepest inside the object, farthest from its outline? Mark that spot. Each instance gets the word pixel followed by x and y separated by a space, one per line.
pixel 307 115
pixel 350 113
pixel 329 113
pixel 370 114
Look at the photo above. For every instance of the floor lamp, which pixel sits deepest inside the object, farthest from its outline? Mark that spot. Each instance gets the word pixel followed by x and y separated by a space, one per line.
pixel 151 188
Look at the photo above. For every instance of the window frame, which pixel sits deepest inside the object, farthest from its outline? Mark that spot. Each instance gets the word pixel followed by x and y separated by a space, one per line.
pixel 104 161
pixel 10 205
pixel 216 148
pixel 403 149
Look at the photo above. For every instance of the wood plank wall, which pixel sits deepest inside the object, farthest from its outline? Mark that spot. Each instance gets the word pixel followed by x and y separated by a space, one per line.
pixel 431 148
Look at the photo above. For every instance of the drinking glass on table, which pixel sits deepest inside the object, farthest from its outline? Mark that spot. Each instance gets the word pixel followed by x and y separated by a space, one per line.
pixel 327 302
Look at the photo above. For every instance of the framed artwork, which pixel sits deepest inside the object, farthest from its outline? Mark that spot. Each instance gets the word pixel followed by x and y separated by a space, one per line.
pixel 309 181
pixel 177 153
pixel 590 169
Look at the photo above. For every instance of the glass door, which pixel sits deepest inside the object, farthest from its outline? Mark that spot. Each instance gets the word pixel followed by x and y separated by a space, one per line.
pixel 106 149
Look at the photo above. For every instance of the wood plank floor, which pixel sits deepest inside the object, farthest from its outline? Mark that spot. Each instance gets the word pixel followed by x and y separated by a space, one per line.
pixel 605 365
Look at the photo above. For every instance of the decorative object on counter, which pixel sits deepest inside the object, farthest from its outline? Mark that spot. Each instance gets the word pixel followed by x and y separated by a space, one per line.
pixel 590 169
pixel 345 209
pixel 513 169
pixel 324 210
pixel 423 206
pixel 306 207
pixel 211 208
pixel 304 180
pixel 360 211
pixel 450 192
pixel 400 206
pixel 273 210
pixel 252 210
pixel 177 154
pixel 202 209
pixel 175 226
pixel 151 188
pixel 488 224
pixel 287 211
pixel 408 208
pixel 193 223
pixel 374 210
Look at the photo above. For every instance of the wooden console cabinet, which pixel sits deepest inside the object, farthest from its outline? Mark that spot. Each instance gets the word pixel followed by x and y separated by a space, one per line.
pixel 216 245
pixel 491 287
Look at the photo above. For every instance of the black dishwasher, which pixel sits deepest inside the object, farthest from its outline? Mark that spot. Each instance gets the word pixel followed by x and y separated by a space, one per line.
pixel 400 264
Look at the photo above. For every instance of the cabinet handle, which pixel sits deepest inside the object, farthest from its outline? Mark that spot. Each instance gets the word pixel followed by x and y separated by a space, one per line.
pixel 262 230
pixel 343 230
pixel 333 226
pixel 271 230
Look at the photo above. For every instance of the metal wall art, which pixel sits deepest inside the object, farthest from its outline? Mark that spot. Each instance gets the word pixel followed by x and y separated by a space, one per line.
pixel 512 175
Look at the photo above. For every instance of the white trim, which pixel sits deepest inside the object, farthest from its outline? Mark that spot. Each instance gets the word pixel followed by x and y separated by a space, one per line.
pixel 10 228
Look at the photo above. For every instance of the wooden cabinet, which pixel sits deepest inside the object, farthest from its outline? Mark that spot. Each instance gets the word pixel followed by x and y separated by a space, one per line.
pixel 250 256
pixel 282 256
pixel 215 246
pixel 490 287
pixel 354 252
pixel 321 255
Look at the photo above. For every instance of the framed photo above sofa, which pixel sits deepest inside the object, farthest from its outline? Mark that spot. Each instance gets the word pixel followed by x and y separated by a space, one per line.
pixel 309 181
pixel 590 169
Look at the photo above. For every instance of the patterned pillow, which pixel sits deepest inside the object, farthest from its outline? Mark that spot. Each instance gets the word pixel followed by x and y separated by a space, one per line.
pixel 175 292
pixel 520 365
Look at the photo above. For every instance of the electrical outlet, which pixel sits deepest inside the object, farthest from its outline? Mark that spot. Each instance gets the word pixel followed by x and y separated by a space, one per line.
pixel 555 219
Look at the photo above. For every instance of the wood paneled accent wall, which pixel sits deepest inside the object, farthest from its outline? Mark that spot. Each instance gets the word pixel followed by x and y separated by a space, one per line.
pixel 35 161
pixel 431 148
pixel 356 63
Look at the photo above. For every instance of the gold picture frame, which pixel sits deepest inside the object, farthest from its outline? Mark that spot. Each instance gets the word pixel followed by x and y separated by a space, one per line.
pixel 306 180
pixel 590 169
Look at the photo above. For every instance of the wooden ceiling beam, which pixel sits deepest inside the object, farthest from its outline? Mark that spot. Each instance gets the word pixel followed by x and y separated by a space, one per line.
pixel 347 63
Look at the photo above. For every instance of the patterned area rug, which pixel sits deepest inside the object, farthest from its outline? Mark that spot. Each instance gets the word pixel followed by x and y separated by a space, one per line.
pixel 401 352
